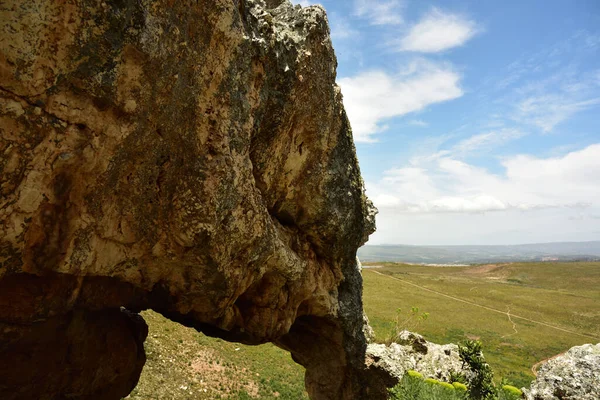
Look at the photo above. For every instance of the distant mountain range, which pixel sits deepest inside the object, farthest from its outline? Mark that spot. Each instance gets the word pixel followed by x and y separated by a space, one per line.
pixel 563 251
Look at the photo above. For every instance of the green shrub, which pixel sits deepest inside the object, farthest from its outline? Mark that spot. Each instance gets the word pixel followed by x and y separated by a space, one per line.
pixel 410 387
pixel 510 392
pixel 481 385
pixel 457 377
pixel 414 374
pixel 446 385
pixel 416 388
pixel 460 386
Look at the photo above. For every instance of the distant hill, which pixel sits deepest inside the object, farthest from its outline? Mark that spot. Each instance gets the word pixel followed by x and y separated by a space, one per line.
pixel 563 251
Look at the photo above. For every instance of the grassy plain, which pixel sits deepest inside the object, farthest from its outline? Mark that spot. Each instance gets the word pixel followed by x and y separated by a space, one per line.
pixel 552 307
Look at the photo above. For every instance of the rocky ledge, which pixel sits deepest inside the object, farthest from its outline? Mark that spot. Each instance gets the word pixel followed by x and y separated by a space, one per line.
pixel 387 364
pixel 190 158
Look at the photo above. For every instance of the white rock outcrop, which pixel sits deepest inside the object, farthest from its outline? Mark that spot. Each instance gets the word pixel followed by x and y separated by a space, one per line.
pixel 574 375
pixel 413 352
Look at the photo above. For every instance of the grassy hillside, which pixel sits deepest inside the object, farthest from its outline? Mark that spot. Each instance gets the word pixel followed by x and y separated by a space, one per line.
pixel 552 307
pixel 184 364
pixel 523 313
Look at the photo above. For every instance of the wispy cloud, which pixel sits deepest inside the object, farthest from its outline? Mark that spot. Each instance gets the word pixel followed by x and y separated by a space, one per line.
pixel 438 31
pixel 484 142
pixel 379 12
pixel 418 122
pixel 549 87
pixel 372 97
pixel 549 110
pixel 479 145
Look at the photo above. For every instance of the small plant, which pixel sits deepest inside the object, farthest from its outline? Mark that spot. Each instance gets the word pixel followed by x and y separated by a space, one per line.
pixel 460 387
pixel 458 377
pixel 414 374
pixel 414 387
pixel 409 388
pixel 445 385
pixel 510 392
pixel 481 385
pixel 408 322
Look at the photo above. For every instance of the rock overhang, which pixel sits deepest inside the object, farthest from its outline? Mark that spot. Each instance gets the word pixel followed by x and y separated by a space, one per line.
pixel 196 160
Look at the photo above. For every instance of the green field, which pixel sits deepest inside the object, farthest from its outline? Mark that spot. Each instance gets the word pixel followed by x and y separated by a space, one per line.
pixel 544 300
pixel 552 307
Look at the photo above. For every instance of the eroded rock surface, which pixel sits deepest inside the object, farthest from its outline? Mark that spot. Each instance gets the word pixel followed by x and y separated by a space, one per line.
pixel 387 364
pixel 574 375
pixel 193 158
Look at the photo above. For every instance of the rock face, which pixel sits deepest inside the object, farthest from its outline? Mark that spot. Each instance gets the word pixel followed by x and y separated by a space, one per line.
pixel 574 375
pixel 191 158
pixel 388 364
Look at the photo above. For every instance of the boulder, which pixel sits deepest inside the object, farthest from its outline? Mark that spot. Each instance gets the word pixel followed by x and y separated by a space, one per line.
pixel 574 375
pixel 388 363
pixel 190 158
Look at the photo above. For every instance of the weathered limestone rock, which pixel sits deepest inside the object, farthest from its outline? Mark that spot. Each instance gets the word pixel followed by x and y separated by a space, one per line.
pixel 193 158
pixel 388 364
pixel 574 375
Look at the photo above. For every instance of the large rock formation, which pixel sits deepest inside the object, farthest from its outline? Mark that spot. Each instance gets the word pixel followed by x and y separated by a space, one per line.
pixel 193 158
pixel 574 375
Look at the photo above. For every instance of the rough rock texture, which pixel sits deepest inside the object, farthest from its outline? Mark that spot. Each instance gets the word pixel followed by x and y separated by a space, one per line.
pixel 193 158
pixel 574 375
pixel 388 364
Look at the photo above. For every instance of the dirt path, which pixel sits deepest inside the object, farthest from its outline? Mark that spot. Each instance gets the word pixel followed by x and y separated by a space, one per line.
pixel 514 326
pixel 507 313
pixel 537 364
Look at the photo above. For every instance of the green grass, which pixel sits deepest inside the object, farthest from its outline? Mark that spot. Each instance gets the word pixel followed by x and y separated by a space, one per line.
pixel 184 364
pixel 560 294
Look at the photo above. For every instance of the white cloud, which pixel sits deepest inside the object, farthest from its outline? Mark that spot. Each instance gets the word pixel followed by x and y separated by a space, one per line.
pixel 507 227
pixel 529 183
pixel 379 12
pixel 372 97
pixel 438 31
pixel 448 201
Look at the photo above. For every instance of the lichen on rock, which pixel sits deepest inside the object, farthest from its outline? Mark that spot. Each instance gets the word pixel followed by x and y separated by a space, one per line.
pixel 572 375
pixel 192 159
pixel 387 364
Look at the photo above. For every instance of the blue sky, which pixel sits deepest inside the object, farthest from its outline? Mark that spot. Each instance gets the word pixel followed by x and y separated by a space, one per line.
pixel 476 122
